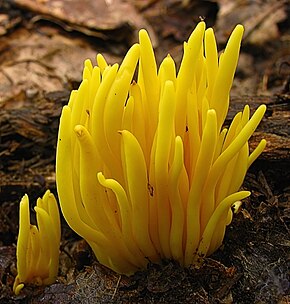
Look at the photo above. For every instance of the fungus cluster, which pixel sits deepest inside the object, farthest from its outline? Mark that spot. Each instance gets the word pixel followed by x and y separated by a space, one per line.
pixel 145 170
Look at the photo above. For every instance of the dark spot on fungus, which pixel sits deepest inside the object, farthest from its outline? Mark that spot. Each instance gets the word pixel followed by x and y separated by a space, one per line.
pixel 150 189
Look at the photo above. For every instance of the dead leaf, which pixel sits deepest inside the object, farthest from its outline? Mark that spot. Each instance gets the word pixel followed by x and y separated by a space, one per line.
pixel 260 19
pixel 98 18
pixel 33 63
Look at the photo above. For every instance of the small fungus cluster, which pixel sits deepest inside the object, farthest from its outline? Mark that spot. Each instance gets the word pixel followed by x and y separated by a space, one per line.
pixel 145 170
pixel 38 245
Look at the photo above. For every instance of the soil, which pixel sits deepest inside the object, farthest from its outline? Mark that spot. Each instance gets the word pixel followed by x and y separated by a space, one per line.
pixel 42 48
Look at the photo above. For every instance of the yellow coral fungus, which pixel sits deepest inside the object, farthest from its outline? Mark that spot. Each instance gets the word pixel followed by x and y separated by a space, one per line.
pixel 144 168
pixel 38 246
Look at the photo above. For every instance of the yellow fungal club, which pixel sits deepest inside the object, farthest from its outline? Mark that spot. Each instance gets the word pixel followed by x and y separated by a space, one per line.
pixel 38 246
pixel 145 170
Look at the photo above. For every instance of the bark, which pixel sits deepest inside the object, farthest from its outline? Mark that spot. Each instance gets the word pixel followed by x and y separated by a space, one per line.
pixel 28 137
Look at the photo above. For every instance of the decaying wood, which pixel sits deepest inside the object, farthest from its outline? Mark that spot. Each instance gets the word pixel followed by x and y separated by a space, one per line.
pixel 34 127
pixel 274 127
pixel 28 137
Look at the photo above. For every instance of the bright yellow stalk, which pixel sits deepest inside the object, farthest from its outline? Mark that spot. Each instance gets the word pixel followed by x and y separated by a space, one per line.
pixel 202 169
pixel 187 74
pixel 144 169
pixel 178 212
pixel 38 246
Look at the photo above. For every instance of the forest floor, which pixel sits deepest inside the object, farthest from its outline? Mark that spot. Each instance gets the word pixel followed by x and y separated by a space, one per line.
pixel 42 48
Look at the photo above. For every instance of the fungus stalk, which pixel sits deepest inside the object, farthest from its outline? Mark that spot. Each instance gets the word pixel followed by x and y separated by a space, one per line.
pixel 144 168
pixel 38 246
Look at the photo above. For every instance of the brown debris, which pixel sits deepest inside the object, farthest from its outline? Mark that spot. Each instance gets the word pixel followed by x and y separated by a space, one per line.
pixel 260 19
pixel 103 19
pixel 33 63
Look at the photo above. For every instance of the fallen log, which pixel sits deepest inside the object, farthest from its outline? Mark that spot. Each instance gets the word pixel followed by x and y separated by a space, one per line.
pixel 28 138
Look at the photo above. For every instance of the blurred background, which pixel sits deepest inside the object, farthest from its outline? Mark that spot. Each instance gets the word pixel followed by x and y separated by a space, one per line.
pixel 43 43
